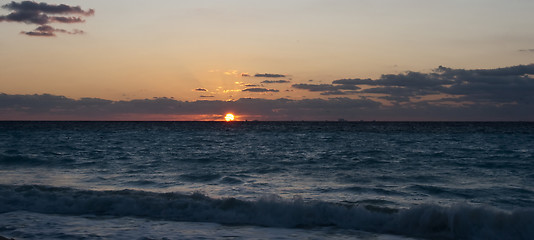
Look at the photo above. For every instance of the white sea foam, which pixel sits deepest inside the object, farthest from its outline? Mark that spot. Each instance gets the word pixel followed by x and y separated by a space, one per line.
pixel 27 225
pixel 430 180
pixel 427 221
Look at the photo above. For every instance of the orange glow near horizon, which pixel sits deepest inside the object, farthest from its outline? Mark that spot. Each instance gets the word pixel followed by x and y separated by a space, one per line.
pixel 229 117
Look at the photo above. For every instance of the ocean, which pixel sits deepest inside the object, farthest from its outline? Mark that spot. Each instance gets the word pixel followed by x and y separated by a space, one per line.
pixel 267 180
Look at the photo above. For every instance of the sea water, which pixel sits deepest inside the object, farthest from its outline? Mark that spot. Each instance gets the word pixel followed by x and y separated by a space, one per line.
pixel 266 180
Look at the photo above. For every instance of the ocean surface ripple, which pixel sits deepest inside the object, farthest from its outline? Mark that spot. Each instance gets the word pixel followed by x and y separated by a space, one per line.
pixel 435 180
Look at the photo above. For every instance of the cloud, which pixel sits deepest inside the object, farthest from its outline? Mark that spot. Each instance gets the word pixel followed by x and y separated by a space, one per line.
pixel 52 107
pixel 48 31
pixel 206 96
pixel 257 89
pixel 269 75
pixel 336 92
pixel 445 94
pixel 275 81
pixel 324 87
pixel 527 50
pixel 42 14
pixel 501 85
pixel 518 70
pixel 409 79
pixel 201 89
pixel 251 85
pixel 507 85
pixel 30 6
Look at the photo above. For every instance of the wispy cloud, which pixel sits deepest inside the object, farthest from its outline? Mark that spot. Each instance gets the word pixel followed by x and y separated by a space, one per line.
pixel 269 75
pixel 275 81
pixel 48 31
pixel 43 14
pixel 201 89
pixel 258 90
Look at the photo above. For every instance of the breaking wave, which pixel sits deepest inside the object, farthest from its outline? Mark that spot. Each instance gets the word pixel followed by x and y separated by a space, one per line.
pixel 427 221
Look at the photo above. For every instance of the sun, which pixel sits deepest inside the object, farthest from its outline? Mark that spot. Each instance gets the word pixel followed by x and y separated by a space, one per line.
pixel 229 117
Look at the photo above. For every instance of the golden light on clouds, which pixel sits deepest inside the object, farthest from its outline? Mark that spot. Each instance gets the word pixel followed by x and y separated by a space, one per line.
pixel 231 90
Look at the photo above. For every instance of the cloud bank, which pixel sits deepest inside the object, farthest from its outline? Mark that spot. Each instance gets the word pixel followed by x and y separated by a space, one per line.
pixel 509 85
pixel 52 107
pixel 43 14
pixel 445 94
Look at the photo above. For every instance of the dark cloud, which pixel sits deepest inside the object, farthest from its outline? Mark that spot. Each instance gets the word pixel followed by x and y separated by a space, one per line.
pixel 51 107
pixel 397 92
pixel 206 96
pixel 355 81
pixel 518 70
pixel 48 31
pixel 500 85
pixel 257 89
pixel 275 81
pixel 445 94
pixel 324 87
pixel 251 85
pixel 30 6
pixel 67 19
pixel 396 98
pixel 42 14
pixel 508 85
pixel 336 92
pixel 269 75
pixel 201 89
pixel 409 79
pixel 245 75
pixel 527 50
pixel 26 17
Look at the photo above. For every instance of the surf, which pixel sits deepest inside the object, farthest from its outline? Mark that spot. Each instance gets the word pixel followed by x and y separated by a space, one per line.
pixel 459 221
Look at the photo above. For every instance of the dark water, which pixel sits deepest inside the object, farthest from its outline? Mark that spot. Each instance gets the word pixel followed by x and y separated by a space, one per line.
pixel 310 180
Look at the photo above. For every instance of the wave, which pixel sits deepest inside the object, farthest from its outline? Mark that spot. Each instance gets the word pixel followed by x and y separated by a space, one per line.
pixel 425 221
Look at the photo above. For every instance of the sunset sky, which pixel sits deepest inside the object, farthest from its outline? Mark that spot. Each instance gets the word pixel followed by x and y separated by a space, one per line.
pixel 267 60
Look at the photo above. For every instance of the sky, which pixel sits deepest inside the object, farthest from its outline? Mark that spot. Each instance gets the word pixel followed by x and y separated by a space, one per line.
pixel 387 60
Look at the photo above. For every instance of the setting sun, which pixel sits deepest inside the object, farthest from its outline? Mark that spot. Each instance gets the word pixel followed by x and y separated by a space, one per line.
pixel 229 117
